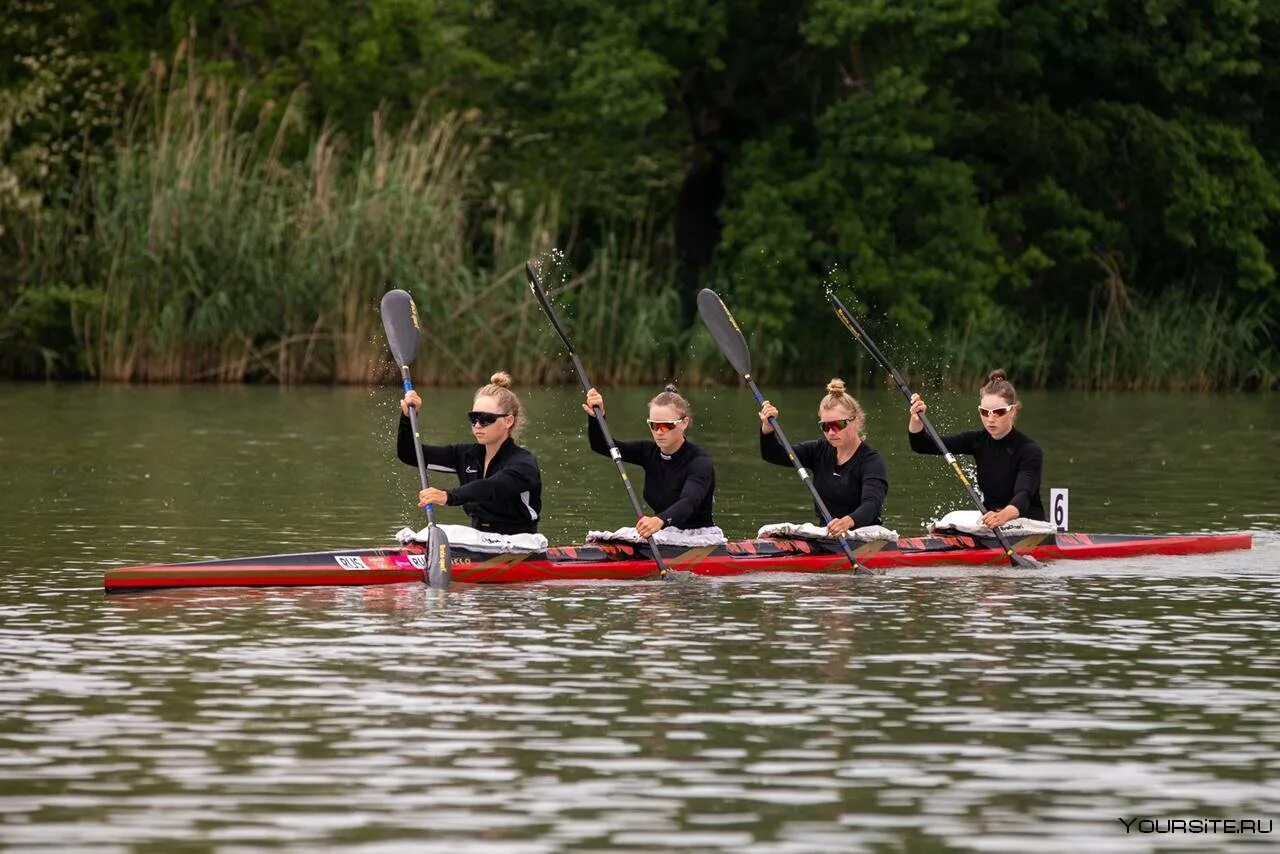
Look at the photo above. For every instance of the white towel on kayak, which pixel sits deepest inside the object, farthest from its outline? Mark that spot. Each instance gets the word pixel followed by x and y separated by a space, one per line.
pixel 810 531
pixel 462 536
pixel 970 522
pixel 712 536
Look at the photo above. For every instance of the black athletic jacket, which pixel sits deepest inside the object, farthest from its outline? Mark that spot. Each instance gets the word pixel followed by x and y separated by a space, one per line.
pixel 680 488
pixel 1008 469
pixel 856 489
pixel 505 500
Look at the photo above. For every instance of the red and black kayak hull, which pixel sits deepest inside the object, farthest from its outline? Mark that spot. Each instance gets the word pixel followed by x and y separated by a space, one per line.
pixel 398 565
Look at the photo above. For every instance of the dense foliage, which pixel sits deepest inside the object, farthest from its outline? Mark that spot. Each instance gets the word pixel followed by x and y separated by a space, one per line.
pixel 1085 190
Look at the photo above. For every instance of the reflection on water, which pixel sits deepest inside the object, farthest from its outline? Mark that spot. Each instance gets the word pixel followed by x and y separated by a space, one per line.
pixel 997 710
pixel 763 712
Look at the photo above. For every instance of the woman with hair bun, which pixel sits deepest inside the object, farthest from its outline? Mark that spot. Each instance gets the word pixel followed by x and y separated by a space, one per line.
pixel 1009 462
pixel 851 477
pixel 679 477
pixel 499 482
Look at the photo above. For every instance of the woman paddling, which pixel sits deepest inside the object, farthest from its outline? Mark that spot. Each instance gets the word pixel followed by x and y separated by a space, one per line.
pixel 679 478
pixel 851 477
pixel 499 483
pixel 1009 462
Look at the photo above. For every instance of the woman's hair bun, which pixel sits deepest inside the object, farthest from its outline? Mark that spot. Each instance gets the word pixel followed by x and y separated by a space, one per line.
pixel 997 374
pixel 836 386
pixel 670 387
pixel 501 379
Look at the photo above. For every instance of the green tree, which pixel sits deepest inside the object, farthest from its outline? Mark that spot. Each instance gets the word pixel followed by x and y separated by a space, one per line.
pixel 1003 166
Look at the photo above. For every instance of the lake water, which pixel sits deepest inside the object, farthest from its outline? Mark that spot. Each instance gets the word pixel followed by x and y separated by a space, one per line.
pixel 985 710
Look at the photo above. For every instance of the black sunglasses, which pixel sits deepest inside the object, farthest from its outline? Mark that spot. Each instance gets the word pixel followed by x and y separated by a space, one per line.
pixel 484 419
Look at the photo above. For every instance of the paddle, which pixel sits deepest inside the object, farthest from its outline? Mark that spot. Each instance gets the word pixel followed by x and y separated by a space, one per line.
pixel 734 346
pixel 400 320
pixel 1015 559
pixel 536 286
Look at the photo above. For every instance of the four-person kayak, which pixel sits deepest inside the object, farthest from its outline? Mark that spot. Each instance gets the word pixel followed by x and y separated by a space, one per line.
pixel 405 564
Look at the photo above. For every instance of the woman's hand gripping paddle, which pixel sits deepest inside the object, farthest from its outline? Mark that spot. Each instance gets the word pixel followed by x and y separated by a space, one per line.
pixel 855 328
pixel 734 346
pixel 536 286
pixel 400 320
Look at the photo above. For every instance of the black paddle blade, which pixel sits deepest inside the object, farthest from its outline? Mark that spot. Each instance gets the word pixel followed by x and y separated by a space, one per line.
pixel 535 285
pixel 439 559
pixel 845 317
pixel 400 320
pixel 1023 561
pixel 725 330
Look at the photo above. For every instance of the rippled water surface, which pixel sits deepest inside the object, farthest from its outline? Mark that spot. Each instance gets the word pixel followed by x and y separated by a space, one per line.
pixel 987 710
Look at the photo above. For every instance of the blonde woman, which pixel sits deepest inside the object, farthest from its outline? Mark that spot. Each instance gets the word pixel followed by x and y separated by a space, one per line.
pixel 679 477
pixel 850 476
pixel 499 482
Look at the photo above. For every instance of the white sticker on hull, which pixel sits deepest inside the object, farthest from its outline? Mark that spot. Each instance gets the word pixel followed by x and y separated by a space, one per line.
pixel 419 561
pixel 350 561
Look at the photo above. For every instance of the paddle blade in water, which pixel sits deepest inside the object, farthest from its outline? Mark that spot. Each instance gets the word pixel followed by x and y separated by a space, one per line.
pixel 725 330
pixel 439 559
pixel 400 320
pixel 1023 561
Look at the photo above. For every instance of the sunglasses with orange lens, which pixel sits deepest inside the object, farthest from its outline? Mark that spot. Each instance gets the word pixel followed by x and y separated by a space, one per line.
pixel 664 426
pixel 834 426
pixel 998 412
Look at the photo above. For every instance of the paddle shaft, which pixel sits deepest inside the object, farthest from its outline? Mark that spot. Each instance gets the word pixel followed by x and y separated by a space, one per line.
pixel 581 371
pixel 417 441
pixel 614 453
pixel 800 469
pixel 859 333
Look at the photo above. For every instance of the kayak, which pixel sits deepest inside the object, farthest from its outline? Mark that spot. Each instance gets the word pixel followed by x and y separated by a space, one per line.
pixel 596 562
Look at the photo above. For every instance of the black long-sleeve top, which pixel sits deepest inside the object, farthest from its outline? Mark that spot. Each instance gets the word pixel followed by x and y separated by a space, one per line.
pixel 1008 469
pixel 855 488
pixel 506 499
pixel 679 488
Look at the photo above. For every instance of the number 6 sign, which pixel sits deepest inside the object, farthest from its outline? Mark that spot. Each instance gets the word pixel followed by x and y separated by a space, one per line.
pixel 1058 508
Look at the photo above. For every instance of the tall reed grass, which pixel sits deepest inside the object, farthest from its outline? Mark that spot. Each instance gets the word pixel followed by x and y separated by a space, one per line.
pixel 623 314
pixel 219 260
pixel 1177 342
pixel 199 252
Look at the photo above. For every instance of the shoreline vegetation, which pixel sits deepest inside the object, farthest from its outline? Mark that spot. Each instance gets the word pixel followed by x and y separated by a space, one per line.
pixel 215 234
